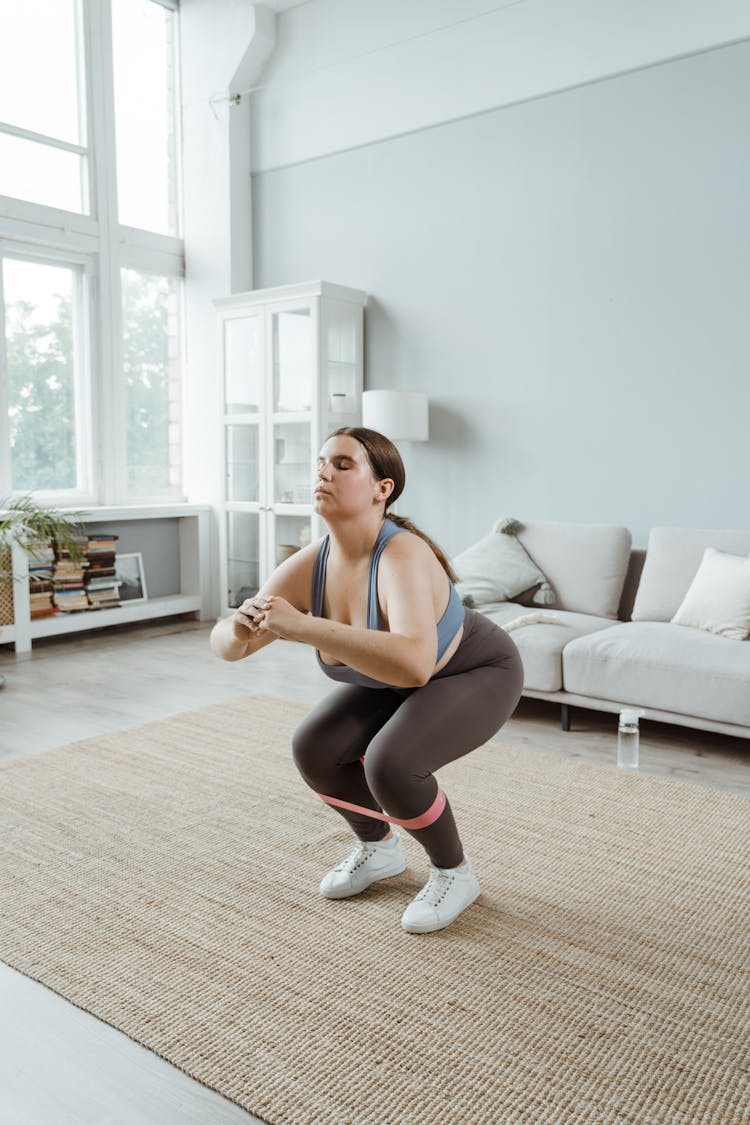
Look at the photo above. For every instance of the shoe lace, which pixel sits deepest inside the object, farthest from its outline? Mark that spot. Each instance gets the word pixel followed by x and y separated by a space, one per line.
pixel 361 853
pixel 436 887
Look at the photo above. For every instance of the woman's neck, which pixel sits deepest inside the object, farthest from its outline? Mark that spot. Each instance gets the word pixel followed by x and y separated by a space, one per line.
pixel 353 540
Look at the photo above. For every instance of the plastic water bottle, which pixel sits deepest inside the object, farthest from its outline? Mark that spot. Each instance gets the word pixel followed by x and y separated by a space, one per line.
pixel 628 738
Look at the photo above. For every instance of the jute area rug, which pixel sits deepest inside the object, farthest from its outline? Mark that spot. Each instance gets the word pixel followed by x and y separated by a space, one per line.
pixel 165 879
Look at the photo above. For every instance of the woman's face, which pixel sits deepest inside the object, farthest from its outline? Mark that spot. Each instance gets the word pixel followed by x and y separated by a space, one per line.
pixel 346 485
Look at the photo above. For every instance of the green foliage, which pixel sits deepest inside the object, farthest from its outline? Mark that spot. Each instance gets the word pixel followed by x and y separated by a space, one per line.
pixel 29 525
pixel 42 398
pixel 145 361
pixel 42 390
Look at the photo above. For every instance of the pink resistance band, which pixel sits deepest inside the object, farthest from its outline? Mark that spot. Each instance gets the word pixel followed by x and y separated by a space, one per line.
pixel 422 821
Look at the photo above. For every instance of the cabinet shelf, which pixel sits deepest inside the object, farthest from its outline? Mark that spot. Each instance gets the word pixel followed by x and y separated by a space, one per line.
pixel 150 609
pixel 291 417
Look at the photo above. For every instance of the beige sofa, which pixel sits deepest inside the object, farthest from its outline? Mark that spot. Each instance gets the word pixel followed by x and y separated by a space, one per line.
pixel 607 642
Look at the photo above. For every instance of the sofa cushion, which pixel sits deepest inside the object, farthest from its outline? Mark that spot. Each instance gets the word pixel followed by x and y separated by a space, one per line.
pixel 586 563
pixel 655 664
pixel 497 568
pixel 540 645
pixel 719 596
pixel 672 560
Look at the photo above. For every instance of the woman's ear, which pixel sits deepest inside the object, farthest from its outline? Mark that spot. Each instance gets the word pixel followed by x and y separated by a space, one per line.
pixel 385 488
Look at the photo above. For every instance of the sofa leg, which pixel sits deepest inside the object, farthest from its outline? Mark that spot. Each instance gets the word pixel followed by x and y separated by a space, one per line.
pixel 565 716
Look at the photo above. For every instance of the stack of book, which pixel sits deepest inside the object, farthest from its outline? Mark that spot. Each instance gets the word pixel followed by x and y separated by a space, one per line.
pixel 69 579
pixel 41 580
pixel 101 584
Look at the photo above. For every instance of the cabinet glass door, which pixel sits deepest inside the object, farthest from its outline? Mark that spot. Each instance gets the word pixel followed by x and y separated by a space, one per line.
pixel 243 556
pixel 292 460
pixel 289 534
pixel 243 462
pixel 243 364
pixel 340 342
pixel 293 360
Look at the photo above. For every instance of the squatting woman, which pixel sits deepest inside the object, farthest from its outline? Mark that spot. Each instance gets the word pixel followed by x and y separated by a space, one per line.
pixel 423 680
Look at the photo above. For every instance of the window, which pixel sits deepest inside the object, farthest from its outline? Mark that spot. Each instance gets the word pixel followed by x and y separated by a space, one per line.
pixel 145 114
pixel 91 319
pixel 43 157
pixel 150 307
pixel 42 305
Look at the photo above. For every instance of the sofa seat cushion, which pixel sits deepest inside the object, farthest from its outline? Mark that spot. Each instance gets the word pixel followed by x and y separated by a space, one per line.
pixel 668 667
pixel 541 645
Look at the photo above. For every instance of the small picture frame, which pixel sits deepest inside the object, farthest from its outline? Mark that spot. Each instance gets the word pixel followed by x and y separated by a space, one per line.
pixel 130 577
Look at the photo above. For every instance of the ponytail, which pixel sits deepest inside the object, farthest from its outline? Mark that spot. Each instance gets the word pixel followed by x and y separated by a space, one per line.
pixel 442 558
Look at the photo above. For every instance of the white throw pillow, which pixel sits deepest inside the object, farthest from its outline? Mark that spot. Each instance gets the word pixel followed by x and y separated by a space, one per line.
pixel 719 596
pixel 497 568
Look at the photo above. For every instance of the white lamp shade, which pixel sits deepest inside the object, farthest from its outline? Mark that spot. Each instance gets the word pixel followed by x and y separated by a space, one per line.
pixel 399 415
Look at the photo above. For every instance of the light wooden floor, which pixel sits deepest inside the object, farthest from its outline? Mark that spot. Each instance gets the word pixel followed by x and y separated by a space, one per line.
pixel 60 1066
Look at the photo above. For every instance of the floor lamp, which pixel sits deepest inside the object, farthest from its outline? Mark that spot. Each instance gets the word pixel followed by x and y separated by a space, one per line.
pixel 401 416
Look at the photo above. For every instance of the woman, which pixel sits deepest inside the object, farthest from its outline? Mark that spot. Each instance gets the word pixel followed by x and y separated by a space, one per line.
pixel 423 680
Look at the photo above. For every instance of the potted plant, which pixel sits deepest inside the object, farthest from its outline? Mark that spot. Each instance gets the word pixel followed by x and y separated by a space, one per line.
pixel 25 522
pixel 28 524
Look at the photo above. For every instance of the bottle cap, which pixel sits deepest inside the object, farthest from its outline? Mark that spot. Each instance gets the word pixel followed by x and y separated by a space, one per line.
pixel 630 715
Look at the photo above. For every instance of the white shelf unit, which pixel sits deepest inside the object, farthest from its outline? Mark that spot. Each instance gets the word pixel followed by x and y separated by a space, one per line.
pixel 291 362
pixel 193 596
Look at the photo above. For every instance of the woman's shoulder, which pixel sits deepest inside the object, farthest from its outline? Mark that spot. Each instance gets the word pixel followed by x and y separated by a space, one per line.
pixel 407 545
pixel 292 579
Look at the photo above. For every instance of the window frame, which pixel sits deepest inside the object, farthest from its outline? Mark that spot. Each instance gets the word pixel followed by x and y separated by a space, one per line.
pixel 101 246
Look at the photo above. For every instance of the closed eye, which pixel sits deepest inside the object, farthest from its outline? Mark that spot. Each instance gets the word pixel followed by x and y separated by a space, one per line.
pixel 338 462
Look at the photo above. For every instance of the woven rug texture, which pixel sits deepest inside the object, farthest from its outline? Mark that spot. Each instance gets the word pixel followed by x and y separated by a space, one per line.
pixel 165 879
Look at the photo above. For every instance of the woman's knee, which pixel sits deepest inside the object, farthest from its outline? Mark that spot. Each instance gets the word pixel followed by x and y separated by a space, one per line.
pixel 387 774
pixel 308 746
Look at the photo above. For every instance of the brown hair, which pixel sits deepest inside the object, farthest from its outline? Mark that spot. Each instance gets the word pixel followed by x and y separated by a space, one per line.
pixel 385 461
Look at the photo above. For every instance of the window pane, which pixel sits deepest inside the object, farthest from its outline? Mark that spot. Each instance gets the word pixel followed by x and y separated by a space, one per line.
pixel 150 355
pixel 145 106
pixel 39 67
pixel 40 173
pixel 39 334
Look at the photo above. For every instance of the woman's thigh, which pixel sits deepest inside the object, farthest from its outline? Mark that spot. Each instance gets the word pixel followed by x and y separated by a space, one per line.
pixel 340 728
pixel 444 720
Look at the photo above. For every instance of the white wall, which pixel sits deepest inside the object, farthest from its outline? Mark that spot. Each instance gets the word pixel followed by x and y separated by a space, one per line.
pixel 565 276
pixel 223 45
pixel 349 72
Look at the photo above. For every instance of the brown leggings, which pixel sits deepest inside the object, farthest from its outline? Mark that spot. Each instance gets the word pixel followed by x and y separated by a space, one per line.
pixel 406 734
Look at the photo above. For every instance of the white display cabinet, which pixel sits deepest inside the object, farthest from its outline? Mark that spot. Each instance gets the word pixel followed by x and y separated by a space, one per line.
pixel 291 362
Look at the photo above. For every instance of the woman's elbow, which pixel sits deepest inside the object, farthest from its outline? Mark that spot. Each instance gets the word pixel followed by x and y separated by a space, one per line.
pixel 420 671
pixel 222 644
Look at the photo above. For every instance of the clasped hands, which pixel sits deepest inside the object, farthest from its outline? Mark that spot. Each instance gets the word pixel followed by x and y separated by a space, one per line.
pixel 269 614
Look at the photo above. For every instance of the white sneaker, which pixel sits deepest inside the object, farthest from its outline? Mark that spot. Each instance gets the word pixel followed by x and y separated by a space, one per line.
pixel 448 891
pixel 366 864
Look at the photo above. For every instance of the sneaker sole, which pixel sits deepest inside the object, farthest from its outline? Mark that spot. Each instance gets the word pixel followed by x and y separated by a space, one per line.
pixel 431 928
pixel 344 893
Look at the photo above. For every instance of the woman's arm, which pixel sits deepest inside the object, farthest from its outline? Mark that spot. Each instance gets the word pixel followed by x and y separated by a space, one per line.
pixel 405 656
pixel 240 635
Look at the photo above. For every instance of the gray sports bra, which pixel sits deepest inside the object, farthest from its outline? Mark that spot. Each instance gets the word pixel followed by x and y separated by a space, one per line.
pixel 447 626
